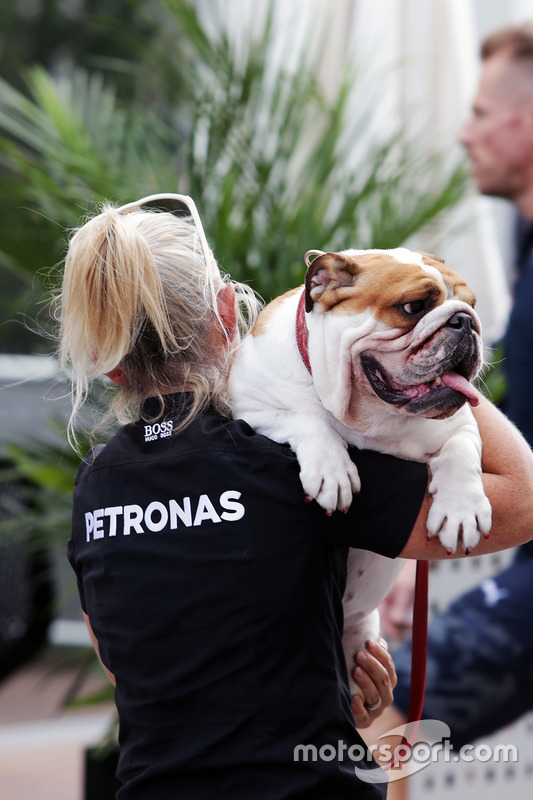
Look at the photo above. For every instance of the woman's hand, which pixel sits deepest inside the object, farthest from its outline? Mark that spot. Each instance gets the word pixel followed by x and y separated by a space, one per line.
pixel 375 675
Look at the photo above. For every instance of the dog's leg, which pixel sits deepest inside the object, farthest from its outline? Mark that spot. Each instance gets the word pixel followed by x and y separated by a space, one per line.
pixel 370 577
pixel 358 629
pixel 460 508
pixel 327 473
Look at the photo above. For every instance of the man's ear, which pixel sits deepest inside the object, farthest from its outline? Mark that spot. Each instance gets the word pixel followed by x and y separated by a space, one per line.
pixel 226 309
pixel 117 375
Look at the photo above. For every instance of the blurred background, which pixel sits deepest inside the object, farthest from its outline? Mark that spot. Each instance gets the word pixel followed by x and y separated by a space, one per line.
pixel 294 125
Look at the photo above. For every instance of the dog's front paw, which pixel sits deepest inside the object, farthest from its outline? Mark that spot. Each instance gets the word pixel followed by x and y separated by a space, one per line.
pixel 328 474
pixel 463 514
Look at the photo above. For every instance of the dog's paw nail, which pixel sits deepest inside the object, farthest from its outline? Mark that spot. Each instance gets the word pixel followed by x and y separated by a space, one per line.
pixel 449 552
pixel 468 550
pixel 486 535
pixel 428 537
pixel 345 510
pixel 308 499
pixel 329 512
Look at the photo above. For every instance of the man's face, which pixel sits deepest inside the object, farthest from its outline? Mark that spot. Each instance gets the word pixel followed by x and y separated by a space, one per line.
pixel 499 136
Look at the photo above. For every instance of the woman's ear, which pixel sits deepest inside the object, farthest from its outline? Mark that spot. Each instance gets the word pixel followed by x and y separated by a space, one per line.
pixel 226 309
pixel 117 375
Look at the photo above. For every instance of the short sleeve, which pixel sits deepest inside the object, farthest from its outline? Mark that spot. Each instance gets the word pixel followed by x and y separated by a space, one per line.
pixel 381 518
pixel 72 560
pixel 83 470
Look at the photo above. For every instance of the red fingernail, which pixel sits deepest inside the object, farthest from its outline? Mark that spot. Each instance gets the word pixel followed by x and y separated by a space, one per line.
pixel 486 535
pixel 329 513
pixel 449 552
pixel 308 499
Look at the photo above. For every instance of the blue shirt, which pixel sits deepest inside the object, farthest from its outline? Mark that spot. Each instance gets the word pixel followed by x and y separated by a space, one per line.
pixel 518 345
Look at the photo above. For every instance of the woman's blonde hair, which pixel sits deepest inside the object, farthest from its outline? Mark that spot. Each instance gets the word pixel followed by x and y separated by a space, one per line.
pixel 137 294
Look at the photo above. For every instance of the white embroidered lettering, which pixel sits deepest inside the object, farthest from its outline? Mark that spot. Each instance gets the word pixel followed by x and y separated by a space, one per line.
pixel 166 428
pixel 160 515
pixel 89 524
pixel 98 529
pixel 205 510
pixel 234 510
pixel 132 519
pixel 113 512
pixel 184 513
pixel 159 430
pixel 160 509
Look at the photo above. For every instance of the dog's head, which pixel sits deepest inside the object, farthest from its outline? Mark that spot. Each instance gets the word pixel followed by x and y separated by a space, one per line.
pixel 402 322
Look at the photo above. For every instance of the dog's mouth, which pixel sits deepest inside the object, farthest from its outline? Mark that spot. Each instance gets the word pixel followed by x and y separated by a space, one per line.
pixel 448 391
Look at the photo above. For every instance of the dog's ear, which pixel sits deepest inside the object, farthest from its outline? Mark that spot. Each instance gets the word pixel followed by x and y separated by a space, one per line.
pixel 329 271
pixel 308 258
pixel 430 256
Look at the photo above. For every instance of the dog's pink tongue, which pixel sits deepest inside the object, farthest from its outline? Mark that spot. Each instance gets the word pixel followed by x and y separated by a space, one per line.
pixel 460 384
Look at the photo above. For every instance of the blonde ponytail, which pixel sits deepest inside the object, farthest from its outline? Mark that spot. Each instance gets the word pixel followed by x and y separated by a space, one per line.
pixel 137 293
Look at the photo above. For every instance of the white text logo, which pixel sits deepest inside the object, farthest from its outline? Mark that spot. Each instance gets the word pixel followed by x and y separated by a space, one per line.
pixel 157 516
pixel 159 430
pixel 418 745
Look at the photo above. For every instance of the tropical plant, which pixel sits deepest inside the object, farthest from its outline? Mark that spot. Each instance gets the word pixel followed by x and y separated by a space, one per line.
pixel 272 159
pixel 49 468
pixel 267 156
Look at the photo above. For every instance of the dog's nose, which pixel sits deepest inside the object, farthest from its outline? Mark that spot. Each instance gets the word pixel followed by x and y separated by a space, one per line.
pixel 461 321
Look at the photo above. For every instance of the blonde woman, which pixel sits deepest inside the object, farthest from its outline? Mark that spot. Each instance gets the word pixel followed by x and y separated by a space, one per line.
pixel 211 589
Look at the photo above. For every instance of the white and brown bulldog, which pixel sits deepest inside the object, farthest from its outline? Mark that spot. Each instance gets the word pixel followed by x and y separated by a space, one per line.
pixel 377 350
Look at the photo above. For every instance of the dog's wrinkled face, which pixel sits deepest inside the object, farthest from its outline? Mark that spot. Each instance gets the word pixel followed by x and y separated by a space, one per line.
pixel 407 324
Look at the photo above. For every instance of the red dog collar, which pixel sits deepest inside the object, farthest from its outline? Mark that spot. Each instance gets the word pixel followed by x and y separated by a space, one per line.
pixel 302 333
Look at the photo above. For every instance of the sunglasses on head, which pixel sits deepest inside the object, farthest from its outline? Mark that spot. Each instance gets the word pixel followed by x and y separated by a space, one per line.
pixel 181 205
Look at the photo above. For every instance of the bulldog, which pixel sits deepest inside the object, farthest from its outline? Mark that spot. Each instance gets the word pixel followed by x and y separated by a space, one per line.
pixel 376 350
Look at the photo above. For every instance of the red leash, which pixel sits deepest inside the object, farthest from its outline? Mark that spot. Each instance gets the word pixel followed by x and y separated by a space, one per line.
pixel 419 650
pixel 302 333
pixel 420 643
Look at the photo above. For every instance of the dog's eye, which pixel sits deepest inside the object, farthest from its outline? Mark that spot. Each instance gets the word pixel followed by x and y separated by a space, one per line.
pixel 414 308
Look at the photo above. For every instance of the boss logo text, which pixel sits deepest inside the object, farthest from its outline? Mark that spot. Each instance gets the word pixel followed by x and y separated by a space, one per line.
pixel 159 430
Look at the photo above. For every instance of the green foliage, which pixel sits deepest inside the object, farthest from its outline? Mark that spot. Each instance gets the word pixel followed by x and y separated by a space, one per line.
pixel 72 144
pixel 493 382
pixel 267 154
pixel 46 31
pixel 276 164
pixel 49 469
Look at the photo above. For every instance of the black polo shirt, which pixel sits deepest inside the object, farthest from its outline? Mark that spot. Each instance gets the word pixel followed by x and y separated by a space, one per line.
pixel 215 591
